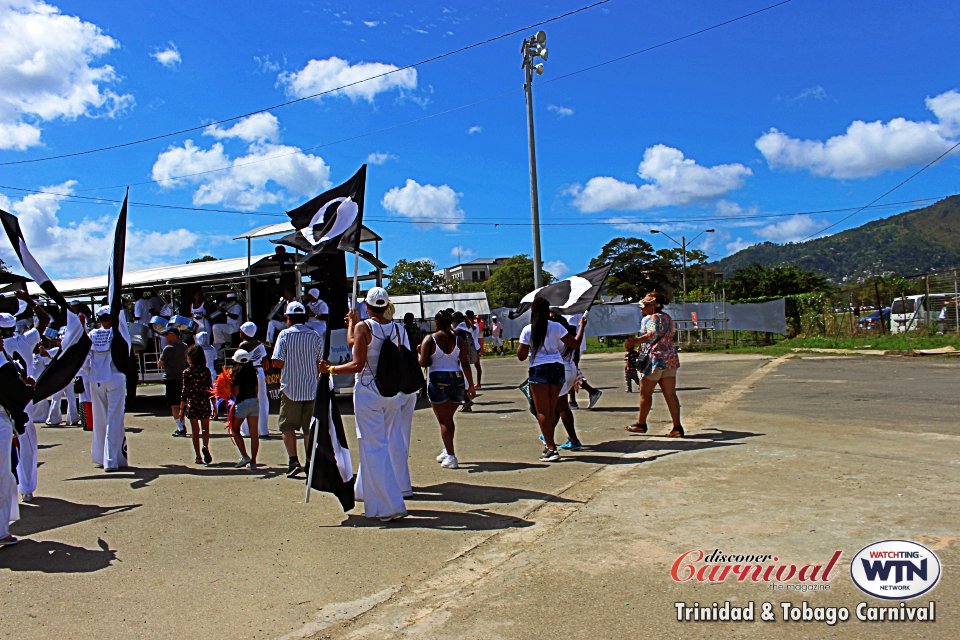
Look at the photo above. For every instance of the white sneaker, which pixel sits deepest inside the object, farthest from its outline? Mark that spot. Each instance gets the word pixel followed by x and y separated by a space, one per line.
pixel 450 463
pixel 443 456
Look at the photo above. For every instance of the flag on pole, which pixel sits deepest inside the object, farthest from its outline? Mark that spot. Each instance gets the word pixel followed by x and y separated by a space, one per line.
pixel 122 344
pixel 568 297
pixel 75 343
pixel 335 217
pixel 331 469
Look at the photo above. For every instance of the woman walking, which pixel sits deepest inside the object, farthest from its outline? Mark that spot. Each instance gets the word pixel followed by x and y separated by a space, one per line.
pixel 376 416
pixel 543 341
pixel 656 332
pixel 446 355
pixel 195 401
pixel 247 407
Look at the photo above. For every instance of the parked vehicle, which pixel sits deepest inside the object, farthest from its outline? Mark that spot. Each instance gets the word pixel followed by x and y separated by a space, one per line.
pixel 872 320
pixel 910 313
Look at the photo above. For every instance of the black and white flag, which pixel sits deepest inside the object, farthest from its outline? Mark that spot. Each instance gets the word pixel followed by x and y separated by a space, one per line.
pixel 75 343
pixel 331 469
pixel 568 297
pixel 335 217
pixel 122 344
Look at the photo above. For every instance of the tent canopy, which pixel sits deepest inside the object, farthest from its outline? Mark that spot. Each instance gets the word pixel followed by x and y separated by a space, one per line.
pixel 434 302
pixel 366 235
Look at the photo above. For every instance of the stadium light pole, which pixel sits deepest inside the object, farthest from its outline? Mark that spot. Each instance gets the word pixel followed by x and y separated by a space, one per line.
pixel 683 253
pixel 533 47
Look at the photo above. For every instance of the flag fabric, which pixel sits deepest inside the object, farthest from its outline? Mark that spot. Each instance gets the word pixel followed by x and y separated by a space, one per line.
pixel 75 343
pixel 335 217
pixel 122 344
pixel 568 297
pixel 332 470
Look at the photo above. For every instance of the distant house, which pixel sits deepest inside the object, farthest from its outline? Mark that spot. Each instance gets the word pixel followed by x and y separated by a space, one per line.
pixel 477 270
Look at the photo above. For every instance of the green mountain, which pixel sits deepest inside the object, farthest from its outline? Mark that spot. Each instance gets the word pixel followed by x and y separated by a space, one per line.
pixel 909 243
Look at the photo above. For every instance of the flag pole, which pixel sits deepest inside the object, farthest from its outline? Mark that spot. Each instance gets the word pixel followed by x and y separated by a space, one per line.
pixel 315 424
pixel 356 273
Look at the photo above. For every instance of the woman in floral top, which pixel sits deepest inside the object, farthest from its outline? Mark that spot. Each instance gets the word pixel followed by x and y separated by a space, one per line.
pixel 656 339
pixel 195 401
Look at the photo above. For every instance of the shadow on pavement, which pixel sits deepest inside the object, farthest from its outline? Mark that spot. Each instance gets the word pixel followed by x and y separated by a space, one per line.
pixel 479 494
pixel 141 477
pixel 473 520
pixel 702 440
pixel 496 466
pixel 45 514
pixel 57 557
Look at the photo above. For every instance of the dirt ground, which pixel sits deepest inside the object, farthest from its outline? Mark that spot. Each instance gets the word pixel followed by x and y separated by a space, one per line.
pixel 797 457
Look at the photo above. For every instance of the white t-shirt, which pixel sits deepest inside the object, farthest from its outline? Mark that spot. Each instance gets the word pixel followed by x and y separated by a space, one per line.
pixel 473 331
pixel 552 344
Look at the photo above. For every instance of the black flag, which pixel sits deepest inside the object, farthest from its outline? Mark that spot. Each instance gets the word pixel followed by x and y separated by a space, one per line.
pixel 75 343
pixel 334 217
pixel 332 468
pixel 121 345
pixel 571 296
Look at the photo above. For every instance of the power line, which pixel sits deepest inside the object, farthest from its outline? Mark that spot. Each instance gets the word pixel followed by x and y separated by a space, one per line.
pixel 889 191
pixel 309 97
pixel 446 111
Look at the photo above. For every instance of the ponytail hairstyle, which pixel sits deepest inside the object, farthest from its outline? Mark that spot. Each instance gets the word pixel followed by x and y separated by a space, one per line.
pixel 539 317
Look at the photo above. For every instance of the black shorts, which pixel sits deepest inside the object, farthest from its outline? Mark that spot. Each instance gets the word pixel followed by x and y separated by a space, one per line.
pixel 172 390
pixel 551 373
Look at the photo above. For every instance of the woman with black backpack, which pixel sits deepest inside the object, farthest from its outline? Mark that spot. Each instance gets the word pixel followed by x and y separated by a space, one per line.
pixel 377 404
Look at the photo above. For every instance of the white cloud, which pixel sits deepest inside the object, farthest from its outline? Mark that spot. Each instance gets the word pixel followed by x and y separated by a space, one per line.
pixel 563 112
pixel 268 172
pixel 558 268
pixel 438 206
pixel 379 157
pixel 256 128
pixel 47 72
pixel 868 148
pixel 475 129
pixel 371 23
pixel 672 180
pixel 266 65
pixel 84 247
pixel 462 253
pixel 815 93
pixel 169 57
pixel 738 245
pixel 789 229
pixel 325 75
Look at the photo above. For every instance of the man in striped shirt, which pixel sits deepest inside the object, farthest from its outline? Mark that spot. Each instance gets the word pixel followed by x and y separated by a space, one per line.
pixel 297 353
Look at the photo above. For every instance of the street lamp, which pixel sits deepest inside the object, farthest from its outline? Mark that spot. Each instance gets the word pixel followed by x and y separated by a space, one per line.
pixel 533 47
pixel 683 252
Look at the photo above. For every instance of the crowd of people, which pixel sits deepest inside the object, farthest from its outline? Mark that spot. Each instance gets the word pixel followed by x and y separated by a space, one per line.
pixel 194 389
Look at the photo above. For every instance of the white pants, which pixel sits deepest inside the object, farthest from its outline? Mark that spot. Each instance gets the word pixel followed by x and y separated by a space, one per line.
pixel 399 441
pixel 264 400
pixel 376 484
pixel 9 503
pixel 85 395
pixel 223 334
pixel 40 411
pixel 54 416
pixel 273 328
pixel 27 466
pixel 109 448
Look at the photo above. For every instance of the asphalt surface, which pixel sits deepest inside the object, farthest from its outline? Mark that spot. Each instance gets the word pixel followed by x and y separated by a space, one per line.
pixel 798 457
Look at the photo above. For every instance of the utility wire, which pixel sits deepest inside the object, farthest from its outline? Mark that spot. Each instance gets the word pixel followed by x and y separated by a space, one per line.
pixel 309 97
pixel 889 191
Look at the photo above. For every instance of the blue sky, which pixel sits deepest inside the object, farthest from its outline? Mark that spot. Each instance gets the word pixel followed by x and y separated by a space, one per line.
pixel 810 106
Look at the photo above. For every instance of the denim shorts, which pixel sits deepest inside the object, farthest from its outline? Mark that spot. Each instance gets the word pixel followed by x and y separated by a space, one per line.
pixel 550 373
pixel 446 386
pixel 247 408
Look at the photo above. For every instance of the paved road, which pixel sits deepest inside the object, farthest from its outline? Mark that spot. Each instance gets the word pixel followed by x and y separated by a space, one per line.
pixel 796 456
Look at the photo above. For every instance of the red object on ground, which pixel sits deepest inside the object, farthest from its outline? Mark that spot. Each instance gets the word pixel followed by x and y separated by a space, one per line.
pixel 88 416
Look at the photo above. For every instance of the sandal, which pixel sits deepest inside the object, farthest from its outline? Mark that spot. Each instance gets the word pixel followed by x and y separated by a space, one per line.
pixel 677 432
pixel 636 427
pixel 199 460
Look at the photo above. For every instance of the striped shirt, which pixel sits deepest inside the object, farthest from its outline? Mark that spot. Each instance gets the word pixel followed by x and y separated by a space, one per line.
pixel 300 349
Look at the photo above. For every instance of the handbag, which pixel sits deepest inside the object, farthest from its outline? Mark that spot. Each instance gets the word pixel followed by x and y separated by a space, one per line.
pixel 645 360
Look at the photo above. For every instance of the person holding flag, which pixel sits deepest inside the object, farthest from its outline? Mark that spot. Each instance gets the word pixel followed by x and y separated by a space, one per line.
pixel 14 397
pixel 108 388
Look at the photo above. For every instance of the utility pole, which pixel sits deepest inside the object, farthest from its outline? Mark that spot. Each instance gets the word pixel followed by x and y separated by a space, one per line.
pixel 533 47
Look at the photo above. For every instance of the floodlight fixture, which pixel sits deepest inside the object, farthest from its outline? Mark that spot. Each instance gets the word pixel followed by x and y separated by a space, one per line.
pixel 541 37
pixel 538 68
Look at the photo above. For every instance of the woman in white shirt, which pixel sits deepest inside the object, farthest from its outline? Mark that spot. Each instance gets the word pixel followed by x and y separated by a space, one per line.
pixel 543 340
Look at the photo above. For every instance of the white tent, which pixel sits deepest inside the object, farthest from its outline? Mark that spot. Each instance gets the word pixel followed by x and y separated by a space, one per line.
pixel 426 306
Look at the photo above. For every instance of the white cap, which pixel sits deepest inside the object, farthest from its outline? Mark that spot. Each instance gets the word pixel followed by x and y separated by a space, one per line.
pixel 103 311
pixel 248 329
pixel 314 293
pixel 241 355
pixel 295 308
pixel 378 298
pixel 7 321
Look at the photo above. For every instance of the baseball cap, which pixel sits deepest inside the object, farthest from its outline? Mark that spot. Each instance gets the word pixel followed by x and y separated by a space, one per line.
pixel 248 329
pixel 378 298
pixel 314 292
pixel 295 308
pixel 241 355
pixel 103 311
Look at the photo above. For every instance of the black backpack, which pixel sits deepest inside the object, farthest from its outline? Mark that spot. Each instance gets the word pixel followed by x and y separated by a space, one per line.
pixel 397 369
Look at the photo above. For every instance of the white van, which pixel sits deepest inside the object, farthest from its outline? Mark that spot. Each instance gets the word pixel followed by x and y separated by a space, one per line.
pixel 921 311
